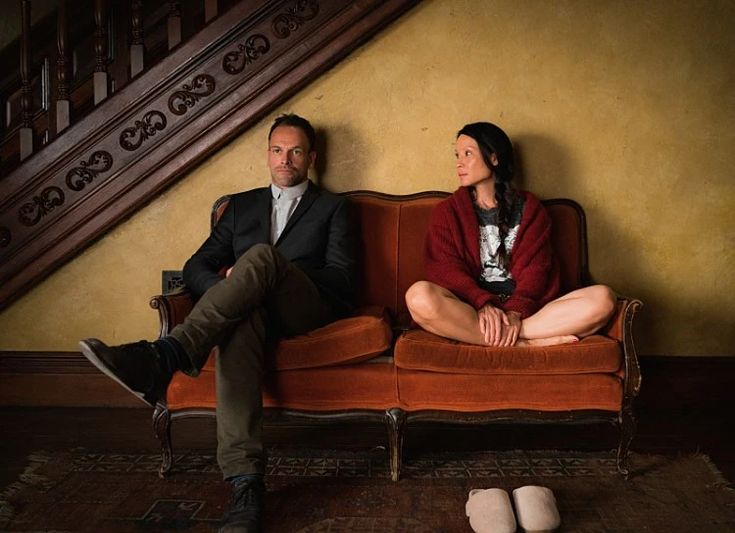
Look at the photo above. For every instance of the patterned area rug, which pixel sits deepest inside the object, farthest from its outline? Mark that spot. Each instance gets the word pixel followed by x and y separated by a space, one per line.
pixel 337 491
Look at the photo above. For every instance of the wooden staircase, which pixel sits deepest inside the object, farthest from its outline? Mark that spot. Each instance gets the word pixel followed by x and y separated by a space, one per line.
pixel 164 121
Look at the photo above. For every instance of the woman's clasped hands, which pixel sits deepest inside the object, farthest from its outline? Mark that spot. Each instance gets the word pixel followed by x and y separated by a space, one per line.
pixel 499 328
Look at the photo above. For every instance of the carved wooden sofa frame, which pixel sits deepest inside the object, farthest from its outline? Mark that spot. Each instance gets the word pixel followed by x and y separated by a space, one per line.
pixel 398 383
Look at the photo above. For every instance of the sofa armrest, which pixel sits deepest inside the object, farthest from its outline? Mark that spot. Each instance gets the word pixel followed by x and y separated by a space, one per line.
pixel 622 319
pixel 172 309
pixel 620 328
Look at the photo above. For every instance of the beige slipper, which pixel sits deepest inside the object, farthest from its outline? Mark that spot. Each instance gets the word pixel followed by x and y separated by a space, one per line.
pixel 536 509
pixel 490 511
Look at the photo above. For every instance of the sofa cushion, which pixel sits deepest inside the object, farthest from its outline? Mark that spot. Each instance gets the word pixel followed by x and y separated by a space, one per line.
pixel 421 391
pixel 421 350
pixel 344 341
pixel 366 334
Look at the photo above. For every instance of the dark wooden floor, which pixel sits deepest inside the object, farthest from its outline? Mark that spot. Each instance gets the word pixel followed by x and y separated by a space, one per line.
pixel 25 430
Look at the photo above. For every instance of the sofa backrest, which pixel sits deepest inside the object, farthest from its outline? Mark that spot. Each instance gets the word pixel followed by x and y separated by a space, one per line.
pixel 569 238
pixel 393 228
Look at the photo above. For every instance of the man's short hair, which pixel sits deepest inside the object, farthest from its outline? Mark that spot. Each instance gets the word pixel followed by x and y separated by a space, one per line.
pixel 290 119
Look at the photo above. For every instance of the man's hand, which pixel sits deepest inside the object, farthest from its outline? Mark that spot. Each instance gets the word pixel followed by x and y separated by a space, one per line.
pixel 227 272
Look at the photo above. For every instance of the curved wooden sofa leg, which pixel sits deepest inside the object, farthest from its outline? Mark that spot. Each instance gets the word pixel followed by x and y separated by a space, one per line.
pixel 627 425
pixel 395 418
pixel 162 429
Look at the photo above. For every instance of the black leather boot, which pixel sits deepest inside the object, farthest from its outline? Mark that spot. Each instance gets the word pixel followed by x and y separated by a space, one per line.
pixel 139 367
pixel 246 507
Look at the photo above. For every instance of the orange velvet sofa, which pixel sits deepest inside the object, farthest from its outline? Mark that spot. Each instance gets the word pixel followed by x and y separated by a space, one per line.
pixel 373 365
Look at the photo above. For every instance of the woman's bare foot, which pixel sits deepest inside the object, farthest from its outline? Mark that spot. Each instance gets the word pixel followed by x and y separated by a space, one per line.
pixel 548 341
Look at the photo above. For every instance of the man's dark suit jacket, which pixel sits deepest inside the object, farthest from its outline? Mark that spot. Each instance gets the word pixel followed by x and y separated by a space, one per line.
pixel 320 238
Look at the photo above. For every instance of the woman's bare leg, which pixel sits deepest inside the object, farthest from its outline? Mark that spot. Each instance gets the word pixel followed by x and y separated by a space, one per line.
pixel 580 313
pixel 439 311
pixel 576 314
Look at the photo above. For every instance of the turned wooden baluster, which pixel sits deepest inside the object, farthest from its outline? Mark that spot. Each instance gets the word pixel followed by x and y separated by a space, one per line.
pixel 26 99
pixel 174 24
pixel 210 10
pixel 137 46
pixel 63 108
pixel 100 51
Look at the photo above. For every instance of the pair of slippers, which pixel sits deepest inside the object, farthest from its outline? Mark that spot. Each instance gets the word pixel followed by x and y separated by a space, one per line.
pixel 490 510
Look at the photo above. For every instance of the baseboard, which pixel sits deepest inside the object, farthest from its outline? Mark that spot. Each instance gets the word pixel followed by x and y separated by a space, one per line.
pixel 687 382
pixel 57 379
pixel 67 379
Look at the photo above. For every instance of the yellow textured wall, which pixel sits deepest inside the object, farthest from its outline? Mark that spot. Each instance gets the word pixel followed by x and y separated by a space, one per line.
pixel 627 107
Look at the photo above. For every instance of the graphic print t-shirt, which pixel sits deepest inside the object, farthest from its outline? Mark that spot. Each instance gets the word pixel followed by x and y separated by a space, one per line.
pixel 495 277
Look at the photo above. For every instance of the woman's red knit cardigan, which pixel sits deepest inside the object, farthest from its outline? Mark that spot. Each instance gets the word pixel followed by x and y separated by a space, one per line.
pixel 452 252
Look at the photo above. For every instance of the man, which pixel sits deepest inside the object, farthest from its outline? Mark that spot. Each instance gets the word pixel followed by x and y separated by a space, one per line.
pixel 281 261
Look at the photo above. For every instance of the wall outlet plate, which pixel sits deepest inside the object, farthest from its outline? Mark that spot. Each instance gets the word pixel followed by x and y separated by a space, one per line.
pixel 171 280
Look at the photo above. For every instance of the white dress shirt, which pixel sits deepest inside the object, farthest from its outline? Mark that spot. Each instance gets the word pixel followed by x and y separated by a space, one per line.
pixel 283 205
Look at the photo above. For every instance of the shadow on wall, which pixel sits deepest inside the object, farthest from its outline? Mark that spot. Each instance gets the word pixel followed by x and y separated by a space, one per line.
pixel 320 166
pixel 670 317
pixel 629 265
pixel 538 151
pixel 341 154
pixel 552 161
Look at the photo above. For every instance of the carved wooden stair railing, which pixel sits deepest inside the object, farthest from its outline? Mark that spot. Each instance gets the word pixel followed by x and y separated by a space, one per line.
pixel 75 56
pixel 142 138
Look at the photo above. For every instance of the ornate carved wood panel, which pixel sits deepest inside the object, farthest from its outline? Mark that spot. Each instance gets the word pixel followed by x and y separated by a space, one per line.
pixel 162 124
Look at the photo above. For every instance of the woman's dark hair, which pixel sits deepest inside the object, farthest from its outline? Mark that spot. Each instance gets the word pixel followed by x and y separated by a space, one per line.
pixel 492 140
pixel 290 119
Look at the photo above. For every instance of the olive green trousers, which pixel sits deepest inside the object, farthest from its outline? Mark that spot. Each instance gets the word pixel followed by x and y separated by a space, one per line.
pixel 264 298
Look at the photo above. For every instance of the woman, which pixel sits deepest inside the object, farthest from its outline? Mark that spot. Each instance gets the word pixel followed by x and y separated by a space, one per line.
pixel 492 278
